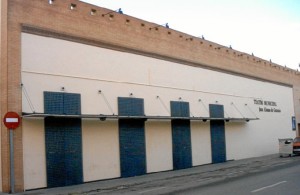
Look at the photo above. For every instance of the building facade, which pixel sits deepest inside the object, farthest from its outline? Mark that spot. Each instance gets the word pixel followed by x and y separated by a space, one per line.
pixel 105 95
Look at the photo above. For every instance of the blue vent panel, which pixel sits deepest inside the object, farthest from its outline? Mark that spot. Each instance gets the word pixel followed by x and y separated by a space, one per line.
pixel 63 141
pixel 217 133
pixel 180 109
pixel 72 103
pixel 62 103
pixel 132 147
pixel 53 103
pixel 131 106
pixel 216 111
pixel 181 136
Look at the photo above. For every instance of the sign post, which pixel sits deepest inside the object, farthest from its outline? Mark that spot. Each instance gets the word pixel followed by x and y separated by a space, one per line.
pixel 12 121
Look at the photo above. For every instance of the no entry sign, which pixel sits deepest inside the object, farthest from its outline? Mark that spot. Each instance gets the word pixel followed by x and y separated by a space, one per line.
pixel 11 120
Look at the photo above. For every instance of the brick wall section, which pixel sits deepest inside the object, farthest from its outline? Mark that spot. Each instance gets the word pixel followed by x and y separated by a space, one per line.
pixel 118 31
pixel 3 96
pixel 14 95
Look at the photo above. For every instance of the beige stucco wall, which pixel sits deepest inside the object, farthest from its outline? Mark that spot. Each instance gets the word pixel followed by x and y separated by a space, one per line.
pixel 201 144
pixel 257 138
pixel 34 154
pixel 101 158
pixel 100 151
pixel 158 146
pixel 49 64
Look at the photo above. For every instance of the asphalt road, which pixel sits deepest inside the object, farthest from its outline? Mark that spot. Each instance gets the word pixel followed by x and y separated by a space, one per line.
pixel 283 180
pixel 274 176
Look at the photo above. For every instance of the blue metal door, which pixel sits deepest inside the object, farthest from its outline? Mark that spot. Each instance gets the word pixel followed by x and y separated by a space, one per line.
pixel 132 148
pixel 63 140
pixel 55 154
pixel 181 136
pixel 217 132
pixel 132 137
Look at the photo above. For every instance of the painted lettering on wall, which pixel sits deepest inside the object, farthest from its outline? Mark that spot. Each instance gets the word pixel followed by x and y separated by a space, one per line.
pixel 266 106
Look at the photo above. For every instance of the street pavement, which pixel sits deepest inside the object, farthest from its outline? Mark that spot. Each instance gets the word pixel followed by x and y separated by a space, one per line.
pixel 171 182
pixel 281 180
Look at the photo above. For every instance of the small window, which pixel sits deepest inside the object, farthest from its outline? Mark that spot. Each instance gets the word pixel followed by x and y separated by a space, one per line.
pixel 73 6
pixel 93 12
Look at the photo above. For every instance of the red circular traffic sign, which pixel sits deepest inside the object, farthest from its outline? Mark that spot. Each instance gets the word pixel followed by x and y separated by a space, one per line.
pixel 11 120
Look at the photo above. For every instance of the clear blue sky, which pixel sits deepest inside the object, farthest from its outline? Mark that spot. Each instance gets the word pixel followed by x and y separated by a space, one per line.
pixel 268 28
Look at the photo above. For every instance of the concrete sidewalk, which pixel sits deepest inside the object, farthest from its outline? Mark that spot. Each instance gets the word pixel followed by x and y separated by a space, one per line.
pixel 171 181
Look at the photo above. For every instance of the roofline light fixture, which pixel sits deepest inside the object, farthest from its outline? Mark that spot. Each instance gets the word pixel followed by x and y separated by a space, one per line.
pixel 156 27
pixel 118 11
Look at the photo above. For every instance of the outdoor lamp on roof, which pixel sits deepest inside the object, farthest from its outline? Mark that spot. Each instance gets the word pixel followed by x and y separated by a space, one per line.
pixel 156 27
pixel 118 11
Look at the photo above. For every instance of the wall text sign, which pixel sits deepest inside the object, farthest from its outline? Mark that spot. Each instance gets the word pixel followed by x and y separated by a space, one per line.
pixel 266 106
